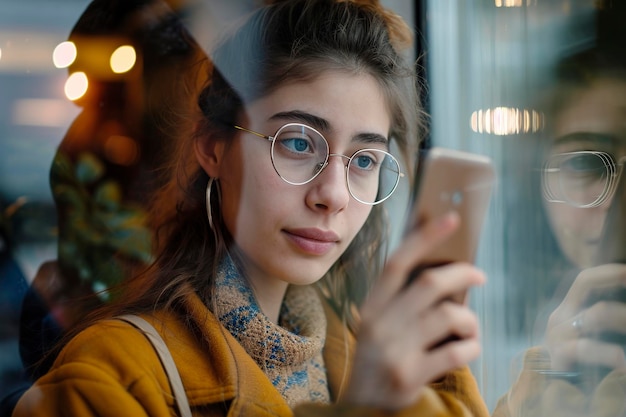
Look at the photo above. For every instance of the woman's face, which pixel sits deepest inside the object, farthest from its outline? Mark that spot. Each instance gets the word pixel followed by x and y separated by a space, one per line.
pixel 294 233
pixel 595 120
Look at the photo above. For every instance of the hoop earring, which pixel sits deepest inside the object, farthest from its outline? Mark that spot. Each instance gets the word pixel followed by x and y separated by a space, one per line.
pixel 209 190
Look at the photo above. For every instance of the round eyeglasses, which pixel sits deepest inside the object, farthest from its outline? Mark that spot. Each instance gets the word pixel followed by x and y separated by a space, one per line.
pixel 299 154
pixel 582 179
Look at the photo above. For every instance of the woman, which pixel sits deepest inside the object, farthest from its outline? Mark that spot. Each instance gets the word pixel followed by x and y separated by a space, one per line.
pixel 580 370
pixel 589 152
pixel 270 234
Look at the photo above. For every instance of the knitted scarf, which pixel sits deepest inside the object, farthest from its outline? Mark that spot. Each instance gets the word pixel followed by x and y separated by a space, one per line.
pixel 289 353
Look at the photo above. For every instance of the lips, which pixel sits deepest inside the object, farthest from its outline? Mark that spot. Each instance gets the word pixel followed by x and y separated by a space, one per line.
pixel 312 241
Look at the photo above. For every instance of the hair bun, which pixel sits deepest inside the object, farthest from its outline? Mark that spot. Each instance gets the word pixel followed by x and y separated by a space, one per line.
pixel 400 34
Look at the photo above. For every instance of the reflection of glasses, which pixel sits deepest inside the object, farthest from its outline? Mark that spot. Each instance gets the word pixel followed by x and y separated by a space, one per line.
pixel 581 179
pixel 299 153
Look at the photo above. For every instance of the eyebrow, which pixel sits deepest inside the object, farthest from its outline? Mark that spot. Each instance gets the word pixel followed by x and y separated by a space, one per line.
pixel 587 137
pixel 323 125
pixel 303 117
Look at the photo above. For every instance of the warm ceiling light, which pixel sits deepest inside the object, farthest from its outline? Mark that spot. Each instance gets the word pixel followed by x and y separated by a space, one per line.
pixel 76 85
pixel 515 3
pixel 64 54
pixel 123 59
pixel 506 121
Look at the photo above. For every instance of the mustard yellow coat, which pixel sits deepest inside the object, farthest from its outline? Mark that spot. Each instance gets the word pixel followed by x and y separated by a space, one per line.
pixel 110 369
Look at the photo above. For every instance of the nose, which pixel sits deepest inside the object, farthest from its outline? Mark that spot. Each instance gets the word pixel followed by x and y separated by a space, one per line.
pixel 329 190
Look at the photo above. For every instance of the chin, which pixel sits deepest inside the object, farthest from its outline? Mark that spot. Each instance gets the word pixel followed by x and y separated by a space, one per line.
pixel 305 280
pixel 306 276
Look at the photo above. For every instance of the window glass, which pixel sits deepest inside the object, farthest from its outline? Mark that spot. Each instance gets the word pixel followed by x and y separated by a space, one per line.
pixel 539 87
pixel 91 101
pixel 92 97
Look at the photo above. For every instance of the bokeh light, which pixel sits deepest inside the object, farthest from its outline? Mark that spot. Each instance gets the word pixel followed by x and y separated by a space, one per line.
pixel 64 54
pixel 123 59
pixel 515 3
pixel 122 150
pixel 76 85
pixel 503 121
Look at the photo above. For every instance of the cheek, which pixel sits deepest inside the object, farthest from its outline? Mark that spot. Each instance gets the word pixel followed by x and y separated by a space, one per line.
pixel 586 221
pixel 264 199
pixel 560 216
pixel 357 217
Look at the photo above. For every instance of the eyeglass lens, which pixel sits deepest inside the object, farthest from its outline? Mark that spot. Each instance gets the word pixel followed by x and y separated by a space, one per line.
pixel 299 153
pixel 584 178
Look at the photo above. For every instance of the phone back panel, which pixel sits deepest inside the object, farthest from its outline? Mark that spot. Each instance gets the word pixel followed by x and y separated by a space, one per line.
pixel 460 181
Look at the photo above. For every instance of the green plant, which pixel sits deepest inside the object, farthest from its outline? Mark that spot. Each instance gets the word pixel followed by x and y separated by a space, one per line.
pixel 100 234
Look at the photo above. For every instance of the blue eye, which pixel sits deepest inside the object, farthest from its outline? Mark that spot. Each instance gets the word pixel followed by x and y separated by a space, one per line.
pixel 364 162
pixel 296 144
pixel 584 163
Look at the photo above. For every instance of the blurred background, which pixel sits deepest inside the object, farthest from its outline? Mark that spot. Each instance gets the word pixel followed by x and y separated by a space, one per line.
pixel 80 114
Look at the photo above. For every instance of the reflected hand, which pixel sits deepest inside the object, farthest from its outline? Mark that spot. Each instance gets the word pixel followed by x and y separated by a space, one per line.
pixel 399 348
pixel 536 395
pixel 574 328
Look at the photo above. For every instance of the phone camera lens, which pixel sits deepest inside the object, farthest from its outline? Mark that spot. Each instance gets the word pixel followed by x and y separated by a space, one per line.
pixel 457 198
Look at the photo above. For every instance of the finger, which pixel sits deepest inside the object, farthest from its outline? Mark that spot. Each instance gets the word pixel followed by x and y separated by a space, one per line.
pixel 587 351
pixel 451 356
pixel 435 285
pixel 408 255
pixel 448 320
pixel 604 316
pixel 573 328
pixel 600 278
pixel 604 278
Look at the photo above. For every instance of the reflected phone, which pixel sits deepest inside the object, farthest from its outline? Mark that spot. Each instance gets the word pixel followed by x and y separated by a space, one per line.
pixel 447 180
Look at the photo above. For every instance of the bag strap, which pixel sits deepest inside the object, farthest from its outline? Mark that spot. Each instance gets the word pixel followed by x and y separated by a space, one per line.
pixel 166 359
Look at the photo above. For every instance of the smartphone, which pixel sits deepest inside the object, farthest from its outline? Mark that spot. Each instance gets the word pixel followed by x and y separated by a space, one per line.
pixel 447 180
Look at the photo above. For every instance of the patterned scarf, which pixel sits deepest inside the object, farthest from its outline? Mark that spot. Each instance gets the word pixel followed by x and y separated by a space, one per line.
pixel 290 353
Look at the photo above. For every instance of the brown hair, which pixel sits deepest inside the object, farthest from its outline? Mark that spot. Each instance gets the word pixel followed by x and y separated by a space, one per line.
pixel 283 42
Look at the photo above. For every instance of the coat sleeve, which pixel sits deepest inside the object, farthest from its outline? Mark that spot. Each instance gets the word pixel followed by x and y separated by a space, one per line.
pixel 95 375
pixel 81 390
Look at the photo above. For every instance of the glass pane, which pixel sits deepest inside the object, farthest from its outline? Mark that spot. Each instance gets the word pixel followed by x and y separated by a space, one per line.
pixel 94 94
pixel 520 81
pixel 91 97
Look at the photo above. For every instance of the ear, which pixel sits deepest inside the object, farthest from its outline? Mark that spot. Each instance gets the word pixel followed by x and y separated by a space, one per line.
pixel 209 153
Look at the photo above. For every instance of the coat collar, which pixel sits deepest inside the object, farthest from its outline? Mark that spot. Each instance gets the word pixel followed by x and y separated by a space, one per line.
pixel 215 368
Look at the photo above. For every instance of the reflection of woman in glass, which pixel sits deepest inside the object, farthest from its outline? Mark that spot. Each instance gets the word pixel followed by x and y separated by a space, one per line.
pixel 584 361
pixel 272 231
pixel 106 166
pixel 581 181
